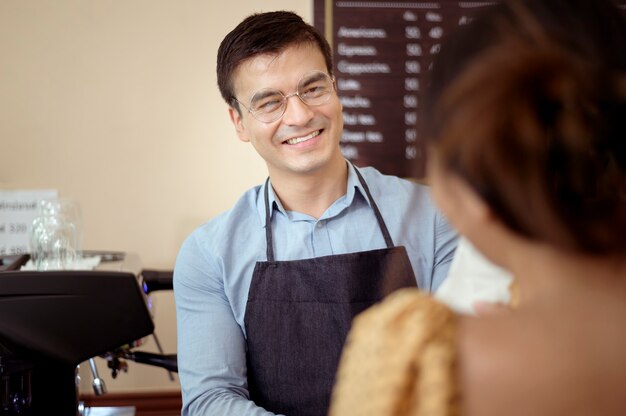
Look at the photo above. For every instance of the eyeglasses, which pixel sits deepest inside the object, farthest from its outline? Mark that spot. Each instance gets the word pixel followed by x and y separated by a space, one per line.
pixel 269 105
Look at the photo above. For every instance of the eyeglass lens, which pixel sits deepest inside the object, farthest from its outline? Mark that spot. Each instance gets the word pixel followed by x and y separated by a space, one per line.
pixel 313 89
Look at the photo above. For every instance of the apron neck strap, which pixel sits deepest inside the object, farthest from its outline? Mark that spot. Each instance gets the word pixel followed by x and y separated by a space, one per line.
pixel 268 219
pixel 268 223
pixel 379 217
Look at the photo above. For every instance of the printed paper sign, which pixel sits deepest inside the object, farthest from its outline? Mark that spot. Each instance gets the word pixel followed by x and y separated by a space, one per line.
pixel 18 209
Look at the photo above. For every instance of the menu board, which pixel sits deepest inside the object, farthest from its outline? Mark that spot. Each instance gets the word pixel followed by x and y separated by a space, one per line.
pixel 382 51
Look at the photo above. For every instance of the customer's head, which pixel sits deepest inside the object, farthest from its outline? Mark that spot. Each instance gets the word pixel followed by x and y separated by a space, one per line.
pixel 527 106
pixel 264 33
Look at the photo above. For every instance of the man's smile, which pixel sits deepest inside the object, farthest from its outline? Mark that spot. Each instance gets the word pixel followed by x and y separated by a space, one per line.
pixel 296 140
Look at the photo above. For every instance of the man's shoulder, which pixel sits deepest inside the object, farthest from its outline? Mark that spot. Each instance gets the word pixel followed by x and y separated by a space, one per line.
pixel 226 238
pixel 390 186
pixel 377 178
pixel 243 213
pixel 402 200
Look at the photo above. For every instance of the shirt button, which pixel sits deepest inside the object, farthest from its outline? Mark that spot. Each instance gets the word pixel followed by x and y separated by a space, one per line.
pixel 319 224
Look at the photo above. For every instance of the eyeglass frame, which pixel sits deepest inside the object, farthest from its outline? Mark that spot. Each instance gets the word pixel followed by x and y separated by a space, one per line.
pixel 288 96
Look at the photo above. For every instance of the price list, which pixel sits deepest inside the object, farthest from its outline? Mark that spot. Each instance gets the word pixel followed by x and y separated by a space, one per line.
pixel 382 52
pixel 18 208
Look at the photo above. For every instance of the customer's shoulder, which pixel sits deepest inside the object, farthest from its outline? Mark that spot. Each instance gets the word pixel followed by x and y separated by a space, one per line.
pixel 530 350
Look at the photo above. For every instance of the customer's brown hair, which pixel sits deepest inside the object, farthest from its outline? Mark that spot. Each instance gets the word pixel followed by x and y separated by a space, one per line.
pixel 528 105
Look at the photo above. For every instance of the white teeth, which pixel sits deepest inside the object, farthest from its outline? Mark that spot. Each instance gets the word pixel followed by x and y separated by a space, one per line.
pixel 297 140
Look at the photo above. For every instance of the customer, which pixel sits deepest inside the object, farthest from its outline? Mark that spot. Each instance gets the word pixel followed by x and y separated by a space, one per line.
pixel 265 293
pixel 528 161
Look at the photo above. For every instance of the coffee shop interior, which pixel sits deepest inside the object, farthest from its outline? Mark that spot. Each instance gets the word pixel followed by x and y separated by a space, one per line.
pixel 116 144
pixel 114 105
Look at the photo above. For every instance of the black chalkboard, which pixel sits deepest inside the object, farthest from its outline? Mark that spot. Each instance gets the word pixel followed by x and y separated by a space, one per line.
pixel 382 51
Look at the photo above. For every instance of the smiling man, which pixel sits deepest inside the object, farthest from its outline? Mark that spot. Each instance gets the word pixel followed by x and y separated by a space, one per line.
pixel 266 292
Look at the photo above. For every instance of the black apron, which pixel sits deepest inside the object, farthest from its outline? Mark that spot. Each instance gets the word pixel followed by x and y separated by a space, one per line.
pixel 299 312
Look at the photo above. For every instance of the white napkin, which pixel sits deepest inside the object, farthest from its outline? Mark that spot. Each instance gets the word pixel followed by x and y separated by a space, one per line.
pixel 84 263
pixel 473 278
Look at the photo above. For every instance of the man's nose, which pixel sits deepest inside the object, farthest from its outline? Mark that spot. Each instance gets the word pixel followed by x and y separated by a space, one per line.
pixel 296 112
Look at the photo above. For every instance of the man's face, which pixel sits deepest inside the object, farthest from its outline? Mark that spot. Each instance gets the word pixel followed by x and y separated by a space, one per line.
pixel 320 126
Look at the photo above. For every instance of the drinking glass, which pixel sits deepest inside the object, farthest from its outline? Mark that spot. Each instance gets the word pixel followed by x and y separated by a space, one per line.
pixel 56 235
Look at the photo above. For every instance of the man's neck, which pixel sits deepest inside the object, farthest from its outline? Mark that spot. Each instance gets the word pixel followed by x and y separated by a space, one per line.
pixel 312 193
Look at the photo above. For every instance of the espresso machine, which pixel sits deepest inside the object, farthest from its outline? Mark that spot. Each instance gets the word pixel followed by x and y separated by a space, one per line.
pixel 52 321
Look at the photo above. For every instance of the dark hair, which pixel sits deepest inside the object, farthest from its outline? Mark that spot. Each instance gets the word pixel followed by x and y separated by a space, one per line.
pixel 528 104
pixel 264 33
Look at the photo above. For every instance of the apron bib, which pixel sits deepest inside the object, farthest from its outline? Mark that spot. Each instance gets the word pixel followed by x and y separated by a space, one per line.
pixel 299 312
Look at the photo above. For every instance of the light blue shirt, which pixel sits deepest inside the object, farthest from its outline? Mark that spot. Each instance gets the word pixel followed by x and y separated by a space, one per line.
pixel 214 269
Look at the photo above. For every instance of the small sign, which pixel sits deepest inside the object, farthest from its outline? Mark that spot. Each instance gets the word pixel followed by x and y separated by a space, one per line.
pixel 18 209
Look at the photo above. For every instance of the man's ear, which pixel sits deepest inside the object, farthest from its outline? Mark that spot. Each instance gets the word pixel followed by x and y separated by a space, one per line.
pixel 235 117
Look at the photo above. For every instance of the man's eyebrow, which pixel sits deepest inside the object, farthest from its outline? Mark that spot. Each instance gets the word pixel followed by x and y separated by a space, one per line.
pixel 264 94
pixel 313 78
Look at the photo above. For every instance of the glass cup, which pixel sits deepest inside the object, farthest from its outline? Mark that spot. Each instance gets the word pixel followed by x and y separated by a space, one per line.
pixel 56 235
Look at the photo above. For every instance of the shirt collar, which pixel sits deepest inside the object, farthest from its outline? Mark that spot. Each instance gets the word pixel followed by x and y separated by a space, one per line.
pixel 273 201
pixel 354 187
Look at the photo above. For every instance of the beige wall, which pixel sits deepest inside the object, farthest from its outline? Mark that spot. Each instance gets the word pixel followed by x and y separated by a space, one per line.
pixel 114 103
